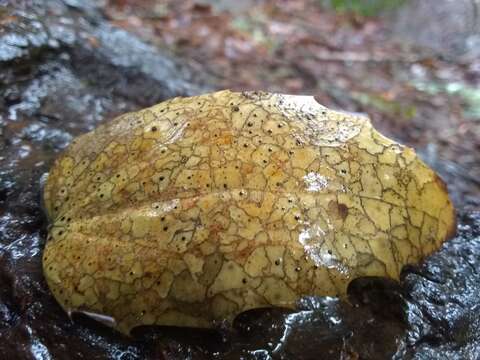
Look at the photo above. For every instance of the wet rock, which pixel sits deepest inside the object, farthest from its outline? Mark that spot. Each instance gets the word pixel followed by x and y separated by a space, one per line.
pixel 443 297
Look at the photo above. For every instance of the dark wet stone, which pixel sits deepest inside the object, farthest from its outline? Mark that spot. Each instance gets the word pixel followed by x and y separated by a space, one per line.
pixel 64 69
pixel 443 296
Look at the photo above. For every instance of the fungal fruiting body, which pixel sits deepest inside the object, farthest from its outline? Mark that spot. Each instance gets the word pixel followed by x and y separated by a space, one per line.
pixel 199 208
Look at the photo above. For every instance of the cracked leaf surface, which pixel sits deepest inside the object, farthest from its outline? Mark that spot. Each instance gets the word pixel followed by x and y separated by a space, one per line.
pixel 197 209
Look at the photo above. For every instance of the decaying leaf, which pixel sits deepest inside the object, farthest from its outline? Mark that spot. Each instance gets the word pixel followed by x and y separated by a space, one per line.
pixel 197 209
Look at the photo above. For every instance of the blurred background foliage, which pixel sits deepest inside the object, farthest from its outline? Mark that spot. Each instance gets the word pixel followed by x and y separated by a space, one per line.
pixel 363 7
